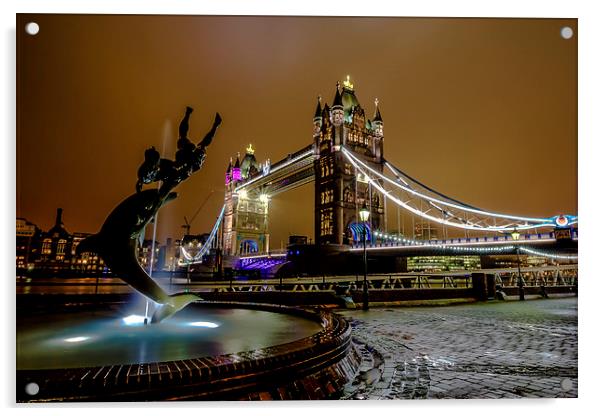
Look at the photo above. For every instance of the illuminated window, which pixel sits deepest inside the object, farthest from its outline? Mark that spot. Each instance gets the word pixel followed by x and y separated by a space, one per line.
pixel 375 200
pixel 324 137
pixel 348 195
pixel 326 227
pixel 327 196
pixel 324 171
pixel 47 246
pixel 362 178
pixel 60 248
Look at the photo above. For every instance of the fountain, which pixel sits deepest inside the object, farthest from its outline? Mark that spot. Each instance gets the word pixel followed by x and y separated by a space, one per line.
pixel 192 349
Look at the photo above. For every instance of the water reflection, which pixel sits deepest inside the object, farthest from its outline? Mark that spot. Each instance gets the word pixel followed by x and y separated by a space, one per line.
pixel 203 324
pixel 76 339
pixel 104 338
pixel 133 320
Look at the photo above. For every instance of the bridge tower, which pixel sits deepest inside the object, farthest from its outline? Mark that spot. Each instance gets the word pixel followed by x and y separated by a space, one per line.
pixel 339 192
pixel 245 223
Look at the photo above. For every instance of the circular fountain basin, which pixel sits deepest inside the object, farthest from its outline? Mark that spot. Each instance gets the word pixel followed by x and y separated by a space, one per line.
pixel 208 351
pixel 101 338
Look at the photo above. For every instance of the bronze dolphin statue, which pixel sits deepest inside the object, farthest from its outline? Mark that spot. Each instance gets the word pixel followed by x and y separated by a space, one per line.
pixel 117 244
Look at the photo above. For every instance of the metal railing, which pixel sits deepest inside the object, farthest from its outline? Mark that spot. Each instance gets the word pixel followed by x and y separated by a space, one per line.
pixel 561 275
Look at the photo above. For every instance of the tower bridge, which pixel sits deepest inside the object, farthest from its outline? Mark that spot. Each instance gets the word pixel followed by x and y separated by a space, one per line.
pixel 345 161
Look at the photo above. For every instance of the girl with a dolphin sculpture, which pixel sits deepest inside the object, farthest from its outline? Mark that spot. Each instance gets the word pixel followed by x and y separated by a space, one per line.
pixel 118 239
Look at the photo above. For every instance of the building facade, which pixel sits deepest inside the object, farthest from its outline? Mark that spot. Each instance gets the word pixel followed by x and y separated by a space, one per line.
pixel 28 236
pixel 429 264
pixel 53 251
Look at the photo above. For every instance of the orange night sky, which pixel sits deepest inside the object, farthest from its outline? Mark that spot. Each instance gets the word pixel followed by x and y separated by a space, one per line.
pixel 483 110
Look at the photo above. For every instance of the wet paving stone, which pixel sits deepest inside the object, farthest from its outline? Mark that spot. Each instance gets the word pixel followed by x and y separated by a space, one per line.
pixel 484 350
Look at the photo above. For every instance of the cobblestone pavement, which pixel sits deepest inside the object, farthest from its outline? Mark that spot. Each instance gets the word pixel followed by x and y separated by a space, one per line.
pixel 492 350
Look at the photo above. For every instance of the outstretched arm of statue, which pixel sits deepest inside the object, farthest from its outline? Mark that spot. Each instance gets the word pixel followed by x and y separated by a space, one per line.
pixel 183 129
pixel 209 136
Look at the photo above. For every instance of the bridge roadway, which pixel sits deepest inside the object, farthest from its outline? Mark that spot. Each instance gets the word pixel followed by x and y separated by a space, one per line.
pixel 295 170
pixel 478 243
pixel 502 244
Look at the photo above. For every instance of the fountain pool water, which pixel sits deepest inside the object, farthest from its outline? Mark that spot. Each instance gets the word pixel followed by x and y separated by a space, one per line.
pixel 114 337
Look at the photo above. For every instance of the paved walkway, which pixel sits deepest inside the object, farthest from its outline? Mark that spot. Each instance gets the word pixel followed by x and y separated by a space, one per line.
pixel 506 349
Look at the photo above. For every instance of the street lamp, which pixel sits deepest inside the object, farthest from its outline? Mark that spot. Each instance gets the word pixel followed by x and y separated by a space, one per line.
pixel 364 215
pixel 521 289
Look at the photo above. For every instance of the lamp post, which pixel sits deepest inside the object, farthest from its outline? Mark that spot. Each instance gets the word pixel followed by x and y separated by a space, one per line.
pixel 521 289
pixel 364 215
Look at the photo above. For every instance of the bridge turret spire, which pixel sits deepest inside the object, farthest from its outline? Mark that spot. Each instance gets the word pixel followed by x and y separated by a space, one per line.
pixel 347 84
pixel 318 117
pixel 236 176
pixel 337 113
pixel 229 172
pixel 377 122
pixel 318 112
pixel 377 116
pixel 338 99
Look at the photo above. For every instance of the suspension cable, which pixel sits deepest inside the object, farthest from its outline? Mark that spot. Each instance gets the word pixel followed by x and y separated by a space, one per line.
pixel 357 162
